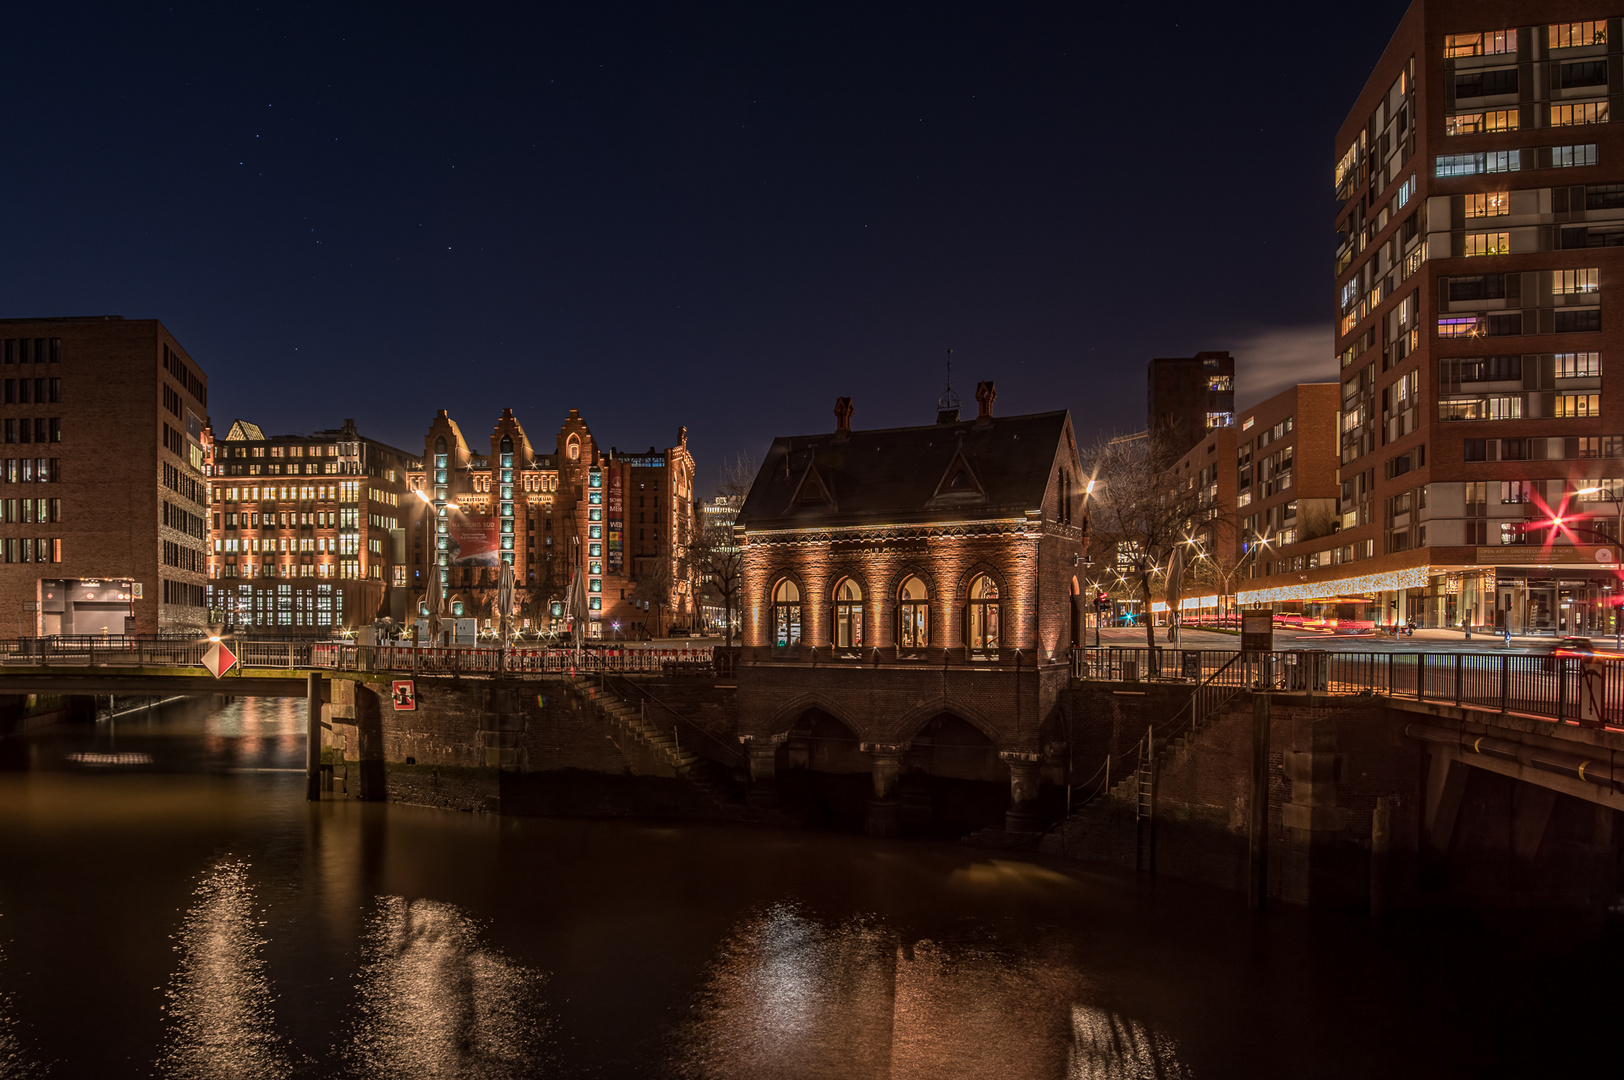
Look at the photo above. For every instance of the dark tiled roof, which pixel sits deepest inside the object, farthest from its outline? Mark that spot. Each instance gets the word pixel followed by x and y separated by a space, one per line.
pixel 901 475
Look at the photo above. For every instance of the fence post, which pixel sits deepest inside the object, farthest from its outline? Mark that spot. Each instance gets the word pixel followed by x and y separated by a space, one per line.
pixel 1561 689
pixel 1460 679
pixel 1505 684
pixel 1421 676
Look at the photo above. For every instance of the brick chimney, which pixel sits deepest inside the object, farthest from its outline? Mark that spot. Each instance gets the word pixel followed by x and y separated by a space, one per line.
pixel 986 394
pixel 843 411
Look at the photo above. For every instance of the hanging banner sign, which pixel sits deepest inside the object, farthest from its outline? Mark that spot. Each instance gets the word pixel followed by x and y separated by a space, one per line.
pixel 615 515
pixel 475 540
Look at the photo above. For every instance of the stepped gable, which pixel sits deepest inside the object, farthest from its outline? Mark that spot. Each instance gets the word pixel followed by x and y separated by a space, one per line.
pixel 989 467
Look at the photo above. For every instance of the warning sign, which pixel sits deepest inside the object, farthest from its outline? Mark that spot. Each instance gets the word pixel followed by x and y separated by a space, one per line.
pixel 219 659
pixel 404 695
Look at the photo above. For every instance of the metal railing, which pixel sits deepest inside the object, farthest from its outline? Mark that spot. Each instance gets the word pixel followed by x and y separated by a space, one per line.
pixel 474 660
pixel 147 652
pixel 1557 687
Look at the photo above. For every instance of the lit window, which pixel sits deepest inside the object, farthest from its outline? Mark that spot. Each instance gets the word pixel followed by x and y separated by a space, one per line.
pixel 1490 43
pixel 913 615
pixel 1488 204
pixel 1459 327
pixel 1582 365
pixel 848 615
pixel 1577 35
pixel 1497 243
pixel 1574 405
pixel 1567 157
pixel 786 615
pixel 982 615
pixel 1584 112
pixel 1571 282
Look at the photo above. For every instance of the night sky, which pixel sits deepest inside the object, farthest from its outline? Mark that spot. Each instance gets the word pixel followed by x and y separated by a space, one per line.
pixel 718 217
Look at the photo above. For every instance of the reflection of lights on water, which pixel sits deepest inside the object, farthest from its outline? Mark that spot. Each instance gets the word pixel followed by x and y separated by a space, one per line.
pixel 14 1063
pixel 123 758
pixel 791 996
pixel 219 999
pixel 1111 1047
pixel 433 1001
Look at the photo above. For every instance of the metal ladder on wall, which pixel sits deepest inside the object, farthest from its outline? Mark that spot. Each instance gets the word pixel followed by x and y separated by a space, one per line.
pixel 1144 817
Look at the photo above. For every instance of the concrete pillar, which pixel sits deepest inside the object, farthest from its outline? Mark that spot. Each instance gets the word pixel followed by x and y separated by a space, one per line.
pixel 1022 815
pixel 1314 823
pixel 762 754
pixel 313 736
pixel 1446 785
pixel 885 804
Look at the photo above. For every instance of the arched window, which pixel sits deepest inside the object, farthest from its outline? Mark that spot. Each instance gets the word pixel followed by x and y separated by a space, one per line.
pixel 848 615
pixel 786 615
pixel 982 612
pixel 913 616
pixel 572 449
pixel 439 445
pixel 1065 497
pixel 506 445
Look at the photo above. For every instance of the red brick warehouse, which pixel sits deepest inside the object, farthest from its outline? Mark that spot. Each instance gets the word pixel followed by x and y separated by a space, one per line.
pixel 909 599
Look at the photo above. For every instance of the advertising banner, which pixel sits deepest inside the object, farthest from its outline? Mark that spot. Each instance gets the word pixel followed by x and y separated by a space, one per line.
pixel 616 501
pixel 474 540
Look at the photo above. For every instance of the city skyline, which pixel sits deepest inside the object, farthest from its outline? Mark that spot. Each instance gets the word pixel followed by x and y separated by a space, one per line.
pixel 676 206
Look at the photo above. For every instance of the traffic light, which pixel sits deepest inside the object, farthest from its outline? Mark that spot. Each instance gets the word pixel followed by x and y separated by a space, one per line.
pixel 1101 602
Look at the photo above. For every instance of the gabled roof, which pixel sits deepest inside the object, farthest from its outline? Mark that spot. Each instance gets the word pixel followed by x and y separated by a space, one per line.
pixel 243 431
pixel 966 470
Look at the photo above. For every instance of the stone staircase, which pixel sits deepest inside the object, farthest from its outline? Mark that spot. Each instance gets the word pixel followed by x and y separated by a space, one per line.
pixel 661 745
pixel 1122 804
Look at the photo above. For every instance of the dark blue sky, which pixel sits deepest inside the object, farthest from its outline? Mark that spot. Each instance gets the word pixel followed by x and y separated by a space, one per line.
pixel 719 217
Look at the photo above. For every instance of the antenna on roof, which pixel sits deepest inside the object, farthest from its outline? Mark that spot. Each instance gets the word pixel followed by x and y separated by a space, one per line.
pixel 947 406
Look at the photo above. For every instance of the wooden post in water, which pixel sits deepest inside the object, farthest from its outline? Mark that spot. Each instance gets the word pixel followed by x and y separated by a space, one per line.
pixel 1257 838
pixel 313 736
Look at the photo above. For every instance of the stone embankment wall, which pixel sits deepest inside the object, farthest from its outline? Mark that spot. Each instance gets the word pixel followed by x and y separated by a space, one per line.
pixel 516 746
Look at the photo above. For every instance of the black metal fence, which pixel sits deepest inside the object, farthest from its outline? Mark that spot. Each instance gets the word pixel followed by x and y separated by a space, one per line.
pixel 1559 687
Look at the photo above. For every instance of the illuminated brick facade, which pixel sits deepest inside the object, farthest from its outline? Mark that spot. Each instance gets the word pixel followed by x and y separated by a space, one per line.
pixel 895 577
pixel 306 530
pixel 626 519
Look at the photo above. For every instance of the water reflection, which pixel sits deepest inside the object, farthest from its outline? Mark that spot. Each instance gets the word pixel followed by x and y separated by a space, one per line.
pixel 1109 1047
pixel 789 996
pixel 220 1021
pixel 435 1002
pixel 15 1062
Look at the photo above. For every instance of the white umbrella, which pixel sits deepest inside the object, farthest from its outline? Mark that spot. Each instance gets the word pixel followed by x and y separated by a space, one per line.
pixel 504 600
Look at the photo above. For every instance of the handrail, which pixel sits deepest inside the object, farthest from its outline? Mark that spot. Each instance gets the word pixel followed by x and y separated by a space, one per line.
pixel 733 751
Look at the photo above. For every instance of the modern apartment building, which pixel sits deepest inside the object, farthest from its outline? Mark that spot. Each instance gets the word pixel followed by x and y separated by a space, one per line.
pixel 1259 487
pixel 625 519
pixel 307 532
pixel 1189 396
pixel 1480 179
pixel 102 498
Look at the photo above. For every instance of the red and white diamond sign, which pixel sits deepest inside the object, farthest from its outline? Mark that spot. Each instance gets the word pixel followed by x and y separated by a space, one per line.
pixel 219 659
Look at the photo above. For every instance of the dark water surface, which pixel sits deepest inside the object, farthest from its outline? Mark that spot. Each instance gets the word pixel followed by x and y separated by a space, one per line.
pixel 166 910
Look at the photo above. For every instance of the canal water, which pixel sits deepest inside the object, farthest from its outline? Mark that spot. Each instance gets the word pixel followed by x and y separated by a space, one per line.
pixel 171 906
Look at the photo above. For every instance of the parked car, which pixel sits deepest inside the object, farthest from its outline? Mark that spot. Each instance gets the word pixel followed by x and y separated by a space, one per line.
pixel 1579 648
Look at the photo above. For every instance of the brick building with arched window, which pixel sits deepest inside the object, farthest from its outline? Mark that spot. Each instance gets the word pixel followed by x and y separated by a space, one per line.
pixel 909 602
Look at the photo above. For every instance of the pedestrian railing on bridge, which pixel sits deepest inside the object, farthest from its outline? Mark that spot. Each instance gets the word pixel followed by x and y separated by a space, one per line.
pixel 148 652
pixel 465 660
pixel 1555 686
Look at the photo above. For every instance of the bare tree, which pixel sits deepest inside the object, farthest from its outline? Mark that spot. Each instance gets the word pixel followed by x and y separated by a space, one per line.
pixel 654 584
pixel 1143 506
pixel 720 566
